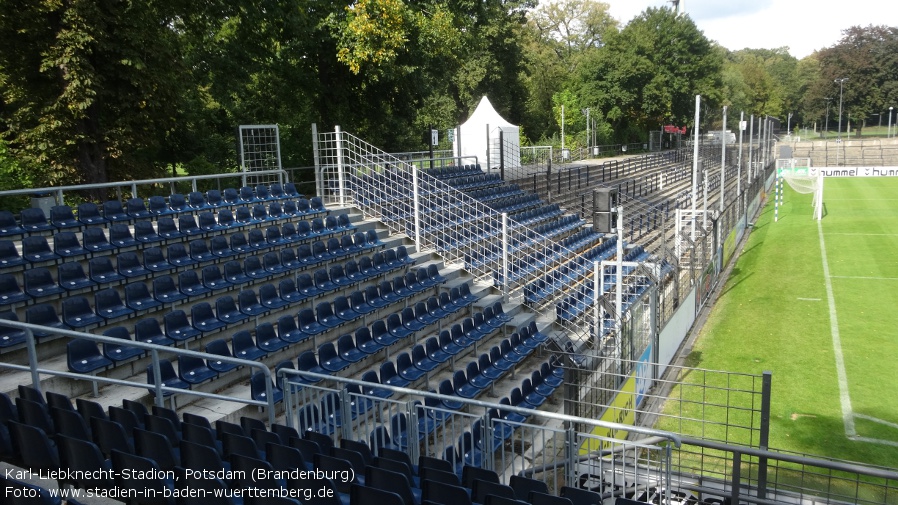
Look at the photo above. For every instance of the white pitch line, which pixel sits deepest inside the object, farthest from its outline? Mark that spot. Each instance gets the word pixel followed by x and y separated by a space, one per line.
pixel 844 396
pixel 865 278
pixel 877 420
pixel 865 234
pixel 810 299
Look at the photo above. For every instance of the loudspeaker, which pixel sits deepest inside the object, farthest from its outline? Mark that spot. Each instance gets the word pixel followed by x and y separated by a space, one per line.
pixel 604 199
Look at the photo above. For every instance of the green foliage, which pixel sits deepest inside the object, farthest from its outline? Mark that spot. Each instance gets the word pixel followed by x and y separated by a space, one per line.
pixel 868 57
pixel 96 90
pixel 648 74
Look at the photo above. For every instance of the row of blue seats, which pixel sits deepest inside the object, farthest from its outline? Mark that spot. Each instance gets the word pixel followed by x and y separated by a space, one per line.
pixel 87 436
pixel 491 251
pixel 332 358
pixel 575 305
pixel 37 250
pixel 496 193
pixel 468 381
pixel 569 273
pixel 77 312
pixel 474 182
pixel 454 171
pixel 533 216
pixel 85 357
pixel 39 282
pixel 33 220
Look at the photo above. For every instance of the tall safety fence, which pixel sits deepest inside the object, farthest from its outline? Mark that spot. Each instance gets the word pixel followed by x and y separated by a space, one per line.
pixel 492 233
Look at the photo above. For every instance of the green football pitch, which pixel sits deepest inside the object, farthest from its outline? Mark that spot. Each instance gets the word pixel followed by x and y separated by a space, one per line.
pixel 816 303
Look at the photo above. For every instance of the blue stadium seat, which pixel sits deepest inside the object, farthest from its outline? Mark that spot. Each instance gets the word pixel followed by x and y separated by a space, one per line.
pixel 39 282
pixel 157 206
pixel 137 297
pixel 89 214
pixel 267 339
pixel 113 210
pixel 72 277
pixel 10 291
pixel 120 236
pixel 269 297
pixel 36 249
pixel 244 347
pixel 167 229
pixel 213 278
pixel 148 331
pixel 34 220
pixel 177 327
pixel 249 303
pixel 166 291
pixel 61 217
pixel 288 331
pixel 77 313
pixel 168 378
pixel 9 255
pixel 189 284
pixel 137 209
pixel 219 347
pixel 9 227
pixel 226 310
pixel 194 370
pixel 101 270
pixel 83 356
pixel 203 318
pixel 109 304
pixel 123 351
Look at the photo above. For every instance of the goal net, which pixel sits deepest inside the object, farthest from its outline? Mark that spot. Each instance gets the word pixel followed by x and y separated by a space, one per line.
pixel 801 181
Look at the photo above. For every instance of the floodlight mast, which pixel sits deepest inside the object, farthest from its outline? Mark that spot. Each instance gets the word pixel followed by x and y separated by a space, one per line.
pixel 698 102
pixel 840 82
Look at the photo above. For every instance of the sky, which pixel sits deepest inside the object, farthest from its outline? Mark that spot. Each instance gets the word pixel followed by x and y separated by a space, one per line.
pixel 803 26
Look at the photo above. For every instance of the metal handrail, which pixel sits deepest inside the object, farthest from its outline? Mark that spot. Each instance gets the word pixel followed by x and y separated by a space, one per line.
pixel 133 184
pixel 154 354
pixel 675 439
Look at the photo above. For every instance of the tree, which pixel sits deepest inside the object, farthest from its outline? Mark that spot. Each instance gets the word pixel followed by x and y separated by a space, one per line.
pixel 648 74
pixel 557 37
pixel 89 88
pixel 868 57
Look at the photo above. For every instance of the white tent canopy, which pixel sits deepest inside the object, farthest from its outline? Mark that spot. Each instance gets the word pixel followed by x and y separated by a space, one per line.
pixel 479 137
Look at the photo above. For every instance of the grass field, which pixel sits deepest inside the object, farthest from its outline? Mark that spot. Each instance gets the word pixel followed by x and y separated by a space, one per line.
pixel 817 305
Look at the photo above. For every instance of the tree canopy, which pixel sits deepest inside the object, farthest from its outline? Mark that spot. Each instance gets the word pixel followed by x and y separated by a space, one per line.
pixel 97 90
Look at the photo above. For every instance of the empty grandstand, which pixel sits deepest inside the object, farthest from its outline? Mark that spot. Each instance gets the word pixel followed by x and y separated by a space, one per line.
pixel 407 336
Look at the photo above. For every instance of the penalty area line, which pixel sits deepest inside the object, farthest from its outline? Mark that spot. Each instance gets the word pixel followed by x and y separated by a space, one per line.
pixel 844 396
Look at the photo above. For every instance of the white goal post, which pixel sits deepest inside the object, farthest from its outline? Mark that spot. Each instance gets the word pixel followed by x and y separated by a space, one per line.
pixel 798 174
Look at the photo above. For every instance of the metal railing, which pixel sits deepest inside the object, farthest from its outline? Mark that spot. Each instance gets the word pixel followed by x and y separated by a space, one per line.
pixel 494 237
pixel 546 445
pixel 152 349
pixel 59 192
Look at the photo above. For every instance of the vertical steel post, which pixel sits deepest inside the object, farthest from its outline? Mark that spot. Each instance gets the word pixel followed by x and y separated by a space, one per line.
pixel 597 289
pixel 417 211
pixel 736 477
pixel 766 379
pixel 488 149
pixel 723 160
pixel 504 257
pixel 340 180
pixel 157 376
pixel 32 359
pixel 501 154
pixel 705 204
pixel 739 163
pixel 698 101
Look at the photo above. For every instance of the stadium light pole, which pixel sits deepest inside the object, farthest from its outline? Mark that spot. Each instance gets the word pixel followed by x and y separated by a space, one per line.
pixel 698 103
pixel 840 82
pixel 723 159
